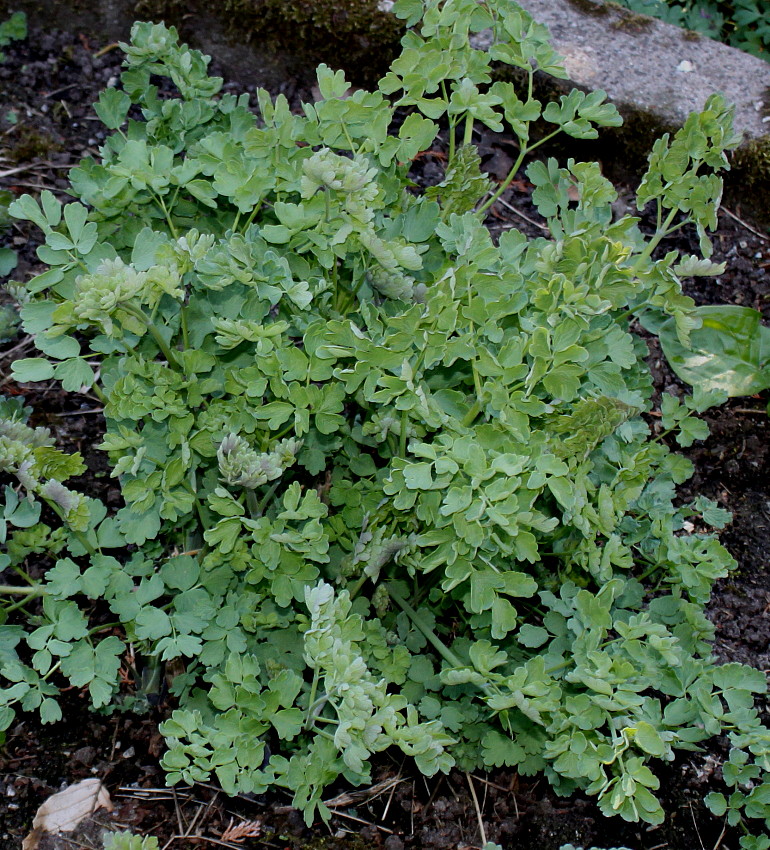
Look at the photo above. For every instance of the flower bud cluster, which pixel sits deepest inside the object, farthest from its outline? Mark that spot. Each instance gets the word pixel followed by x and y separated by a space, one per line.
pixel 98 295
pixel 12 454
pixel 326 169
pixel 352 179
pixel 393 254
pixel 391 284
pixel 13 429
pixel 193 246
pixel 17 441
pixel 74 506
pixel 372 552
pixel 241 466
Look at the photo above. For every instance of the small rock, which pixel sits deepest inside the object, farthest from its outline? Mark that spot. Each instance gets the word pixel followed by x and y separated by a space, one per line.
pixel 685 66
pixel 85 755
pixel 295 822
pixel 393 842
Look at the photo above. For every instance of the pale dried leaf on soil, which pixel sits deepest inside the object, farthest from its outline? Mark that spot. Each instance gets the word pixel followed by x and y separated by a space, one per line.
pixel 62 812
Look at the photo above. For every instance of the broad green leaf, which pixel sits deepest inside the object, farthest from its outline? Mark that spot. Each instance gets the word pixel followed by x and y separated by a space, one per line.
pixel 730 352
pixel 30 369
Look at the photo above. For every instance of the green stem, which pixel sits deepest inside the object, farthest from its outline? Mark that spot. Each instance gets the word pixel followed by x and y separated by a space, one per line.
pixel 154 333
pixel 471 415
pixel 167 215
pixel 451 119
pixel 183 323
pixel 324 734
pixel 353 148
pixel 468 136
pixel 557 667
pixel 660 232
pixel 198 507
pixel 653 568
pixel 78 262
pixel 443 650
pixel 265 501
pixel 21 591
pixel 252 503
pixel 103 627
pixel 79 536
pixel 336 284
pixel 25 600
pixel 311 699
pixel 476 377
pixel 251 218
pixel 402 435
pixel 356 589
pixel 50 673
pixel 514 170
pixel 23 574
pixel 99 393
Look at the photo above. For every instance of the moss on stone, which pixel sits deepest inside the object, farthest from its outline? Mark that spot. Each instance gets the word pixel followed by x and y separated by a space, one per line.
pixel 753 161
pixel 631 21
pixel 624 19
pixel 351 34
pixel 595 8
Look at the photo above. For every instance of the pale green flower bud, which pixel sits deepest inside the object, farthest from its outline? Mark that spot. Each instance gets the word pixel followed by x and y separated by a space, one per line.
pixel 241 466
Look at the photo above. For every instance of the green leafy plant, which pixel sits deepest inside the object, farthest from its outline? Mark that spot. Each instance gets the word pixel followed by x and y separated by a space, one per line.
pixel 730 351
pixel 741 23
pixel 9 316
pixel 8 257
pixel 129 841
pixel 747 772
pixel 572 847
pixel 13 29
pixel 386 482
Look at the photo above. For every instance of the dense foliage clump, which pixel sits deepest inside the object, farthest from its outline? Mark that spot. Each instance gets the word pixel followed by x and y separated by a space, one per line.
pixel 744 24
pixel 385 481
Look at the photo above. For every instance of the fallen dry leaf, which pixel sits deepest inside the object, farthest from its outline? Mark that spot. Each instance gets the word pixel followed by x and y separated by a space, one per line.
pixel 62 812
pixel 236 833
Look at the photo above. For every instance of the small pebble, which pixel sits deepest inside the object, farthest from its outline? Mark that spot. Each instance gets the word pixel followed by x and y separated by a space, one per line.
pixel 685 66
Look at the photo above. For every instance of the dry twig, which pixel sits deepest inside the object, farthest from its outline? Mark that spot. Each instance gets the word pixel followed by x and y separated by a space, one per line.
pixel 365 795
pixel 763 236
pixel 522 216
pixel 361 820
pixel 482 831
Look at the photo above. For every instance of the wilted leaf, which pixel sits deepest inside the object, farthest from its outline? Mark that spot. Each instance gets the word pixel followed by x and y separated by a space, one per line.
pixel 64 811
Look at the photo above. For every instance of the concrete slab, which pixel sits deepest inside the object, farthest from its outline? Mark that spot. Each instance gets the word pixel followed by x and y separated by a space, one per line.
pixel 648 66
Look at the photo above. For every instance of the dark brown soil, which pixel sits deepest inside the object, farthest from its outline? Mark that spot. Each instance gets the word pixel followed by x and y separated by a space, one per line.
pixel 46 123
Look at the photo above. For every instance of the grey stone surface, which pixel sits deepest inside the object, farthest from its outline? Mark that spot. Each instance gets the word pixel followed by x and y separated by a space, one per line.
pixel 648 66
